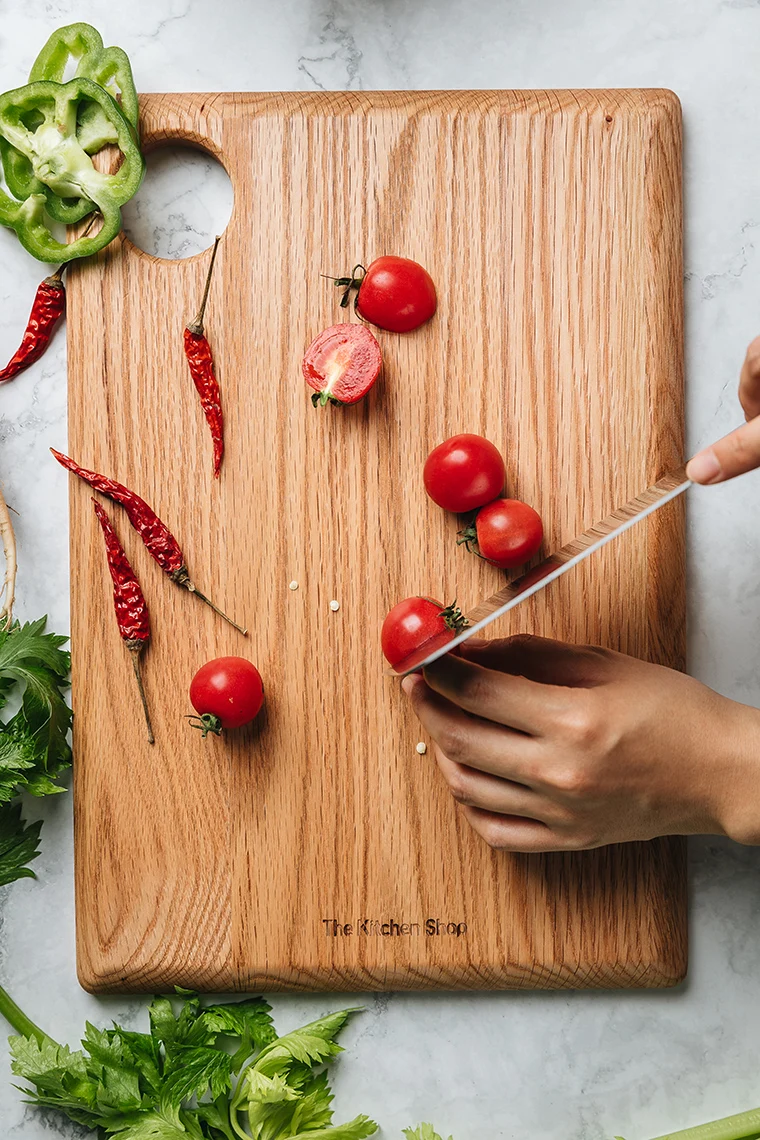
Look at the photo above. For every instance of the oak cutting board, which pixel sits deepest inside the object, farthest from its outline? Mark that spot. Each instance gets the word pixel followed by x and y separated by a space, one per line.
pixel 317 849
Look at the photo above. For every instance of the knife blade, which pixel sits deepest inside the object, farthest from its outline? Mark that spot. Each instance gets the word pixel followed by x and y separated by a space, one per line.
pixel 666 489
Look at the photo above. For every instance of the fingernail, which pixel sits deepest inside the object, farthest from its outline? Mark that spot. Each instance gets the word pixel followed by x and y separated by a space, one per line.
pixel 408 684
pixel 704 467
pixel 474 643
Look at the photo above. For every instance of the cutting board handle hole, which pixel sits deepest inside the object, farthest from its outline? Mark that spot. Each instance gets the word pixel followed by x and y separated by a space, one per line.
pixel 185 200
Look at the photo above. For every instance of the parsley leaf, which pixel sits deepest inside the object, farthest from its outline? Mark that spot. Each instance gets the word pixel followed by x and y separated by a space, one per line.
pixel 356 1129
pixel 285 1093
pixel 34 748
pixel 60 1077
pixel 150 1126
pixel 422 1132
pixel 17 759
pixel 110 1062
pixel 314 1044
pixel 18 844
pixel 176 1082
pixel 248 1020
pixel 193 1070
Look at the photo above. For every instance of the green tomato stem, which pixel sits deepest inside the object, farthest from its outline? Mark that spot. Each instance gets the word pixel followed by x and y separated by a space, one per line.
pixel 18 1020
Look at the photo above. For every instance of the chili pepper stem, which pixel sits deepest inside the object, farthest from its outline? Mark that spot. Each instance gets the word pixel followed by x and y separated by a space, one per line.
pixel 196 326
pixel 182 578
pixel 135 651
pixel 8 589
pixel 194 590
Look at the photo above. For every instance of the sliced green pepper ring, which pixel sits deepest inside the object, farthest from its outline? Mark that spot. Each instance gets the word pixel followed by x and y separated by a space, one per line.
pixel 28 220
pixel 39 122
pixel 110 67
pixel 20 180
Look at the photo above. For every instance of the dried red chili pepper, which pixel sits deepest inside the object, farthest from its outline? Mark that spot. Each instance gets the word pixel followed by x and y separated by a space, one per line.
pixel 47 310
pixel 129 603
pixel 201 361
pixel 158 539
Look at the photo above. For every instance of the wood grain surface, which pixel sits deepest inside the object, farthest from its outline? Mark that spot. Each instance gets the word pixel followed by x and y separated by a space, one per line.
pixel 551 223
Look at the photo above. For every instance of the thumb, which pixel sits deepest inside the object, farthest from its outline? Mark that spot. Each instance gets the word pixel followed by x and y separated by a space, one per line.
pixel 736 453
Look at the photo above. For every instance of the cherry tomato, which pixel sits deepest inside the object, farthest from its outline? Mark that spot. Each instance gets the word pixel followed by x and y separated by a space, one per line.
pixel 396 294
pixel 508 533
pixel 342 364
pixel 464 473
pixel 226 693
pixel 416 623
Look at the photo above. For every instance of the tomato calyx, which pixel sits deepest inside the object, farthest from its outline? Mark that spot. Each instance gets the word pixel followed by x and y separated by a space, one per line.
pixel 321 399
pixel 206 723
pixel 348 285
pixel 453 618
pixel 468 537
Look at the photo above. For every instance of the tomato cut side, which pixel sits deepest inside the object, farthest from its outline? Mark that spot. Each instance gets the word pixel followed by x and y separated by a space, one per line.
pixel 464 473
pixel 342 364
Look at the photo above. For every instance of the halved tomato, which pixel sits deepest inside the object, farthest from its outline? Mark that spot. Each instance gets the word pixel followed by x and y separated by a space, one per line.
pixel 342 364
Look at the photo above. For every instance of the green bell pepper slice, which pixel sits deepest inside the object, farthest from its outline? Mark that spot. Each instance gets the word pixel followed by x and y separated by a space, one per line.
pixel 27 218
pixel 108 67
pixel 39 122
pixel 21 181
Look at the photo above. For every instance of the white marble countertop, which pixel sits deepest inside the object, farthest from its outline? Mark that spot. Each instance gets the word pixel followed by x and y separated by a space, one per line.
pixel 549 1066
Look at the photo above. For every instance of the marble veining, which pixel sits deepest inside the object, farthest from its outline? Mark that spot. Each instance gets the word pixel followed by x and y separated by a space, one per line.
pixel 549 1066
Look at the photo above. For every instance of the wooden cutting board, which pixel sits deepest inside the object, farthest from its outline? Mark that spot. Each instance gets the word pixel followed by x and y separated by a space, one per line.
pixel 317 849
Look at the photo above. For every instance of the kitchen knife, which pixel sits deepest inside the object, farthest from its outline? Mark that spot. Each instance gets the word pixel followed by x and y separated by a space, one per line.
pixel 663 491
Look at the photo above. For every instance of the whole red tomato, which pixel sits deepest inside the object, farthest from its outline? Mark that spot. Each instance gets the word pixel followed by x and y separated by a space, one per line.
pixel 507 532
pixel 342 364
pixel 416 623
pixel 393 293
pixel 226 693
pixel 464 473
pixel 396 294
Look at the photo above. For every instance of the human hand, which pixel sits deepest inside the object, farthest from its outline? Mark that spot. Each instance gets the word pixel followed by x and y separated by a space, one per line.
pixel 739 451
pixel 554 747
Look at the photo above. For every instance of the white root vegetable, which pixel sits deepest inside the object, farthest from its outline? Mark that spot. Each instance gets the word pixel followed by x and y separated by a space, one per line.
pixel 8 590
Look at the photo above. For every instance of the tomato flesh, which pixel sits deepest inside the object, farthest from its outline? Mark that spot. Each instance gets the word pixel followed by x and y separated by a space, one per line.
pixel 342 364
pixel 229 688
pixel 464 473
pixel 396 294
pixel 509 533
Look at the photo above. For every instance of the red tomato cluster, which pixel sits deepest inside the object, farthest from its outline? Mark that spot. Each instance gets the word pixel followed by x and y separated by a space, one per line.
pixel 467 473
pixel 464 474
pixel 341 365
